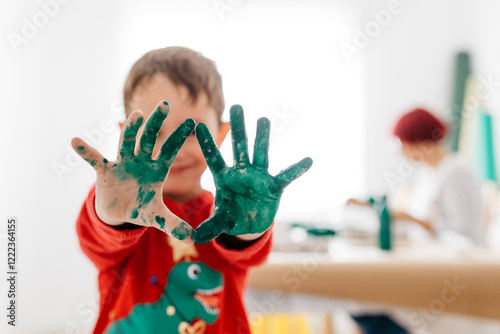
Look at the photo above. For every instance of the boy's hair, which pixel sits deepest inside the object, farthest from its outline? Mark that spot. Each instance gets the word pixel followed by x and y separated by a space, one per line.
pixel 182 66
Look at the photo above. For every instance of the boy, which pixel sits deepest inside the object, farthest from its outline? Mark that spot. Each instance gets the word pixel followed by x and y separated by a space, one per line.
pixel 151 282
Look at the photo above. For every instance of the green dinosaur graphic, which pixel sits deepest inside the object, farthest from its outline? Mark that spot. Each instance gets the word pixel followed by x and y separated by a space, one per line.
pixel 192 292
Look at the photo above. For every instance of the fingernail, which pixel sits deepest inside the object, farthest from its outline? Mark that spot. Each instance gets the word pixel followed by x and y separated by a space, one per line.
pixel 81 149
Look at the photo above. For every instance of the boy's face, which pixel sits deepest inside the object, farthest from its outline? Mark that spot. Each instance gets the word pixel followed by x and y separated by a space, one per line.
pixel 183 180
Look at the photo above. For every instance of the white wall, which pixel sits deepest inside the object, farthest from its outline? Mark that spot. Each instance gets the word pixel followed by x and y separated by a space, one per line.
pixel 60 82
pixel 411 64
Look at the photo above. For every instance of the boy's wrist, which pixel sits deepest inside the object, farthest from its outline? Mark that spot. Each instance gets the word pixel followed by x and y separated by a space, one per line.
pixel 104 218
pixel 238 242
pixel 250 236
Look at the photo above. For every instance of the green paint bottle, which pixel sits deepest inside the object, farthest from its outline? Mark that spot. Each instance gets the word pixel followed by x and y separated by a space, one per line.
pixel 385 229
pixel 385 237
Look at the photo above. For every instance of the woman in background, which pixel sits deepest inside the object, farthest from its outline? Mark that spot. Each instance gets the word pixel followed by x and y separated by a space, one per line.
pixel 445 195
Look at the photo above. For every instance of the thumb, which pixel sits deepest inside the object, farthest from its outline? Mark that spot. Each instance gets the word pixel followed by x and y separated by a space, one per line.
pixel 212 228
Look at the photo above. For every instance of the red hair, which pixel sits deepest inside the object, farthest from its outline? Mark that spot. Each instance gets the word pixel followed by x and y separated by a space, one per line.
pixel 419 125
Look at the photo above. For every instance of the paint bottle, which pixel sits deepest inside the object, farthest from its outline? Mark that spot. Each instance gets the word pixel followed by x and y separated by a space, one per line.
pixel 380 205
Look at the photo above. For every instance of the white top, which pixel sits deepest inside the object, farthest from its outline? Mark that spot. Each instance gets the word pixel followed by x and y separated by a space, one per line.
pixel 449 197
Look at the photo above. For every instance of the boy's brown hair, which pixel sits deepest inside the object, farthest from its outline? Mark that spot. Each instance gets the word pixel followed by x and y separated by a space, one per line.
pixel 182 66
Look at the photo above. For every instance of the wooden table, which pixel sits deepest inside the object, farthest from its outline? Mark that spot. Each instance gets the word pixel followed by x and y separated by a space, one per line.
pixel 422 276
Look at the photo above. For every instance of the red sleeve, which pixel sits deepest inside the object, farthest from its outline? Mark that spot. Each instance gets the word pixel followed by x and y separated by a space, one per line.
pixel 253 255
pixel 104 245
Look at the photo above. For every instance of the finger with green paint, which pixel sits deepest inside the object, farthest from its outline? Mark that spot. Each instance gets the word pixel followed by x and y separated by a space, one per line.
pixel 130 188
pixel 247 196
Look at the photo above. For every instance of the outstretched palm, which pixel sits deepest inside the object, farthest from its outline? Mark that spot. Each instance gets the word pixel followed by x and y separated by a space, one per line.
pixel 247 196
pixel 130 188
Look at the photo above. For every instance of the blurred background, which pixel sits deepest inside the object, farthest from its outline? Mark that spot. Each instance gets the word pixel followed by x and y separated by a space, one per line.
pixel 331 88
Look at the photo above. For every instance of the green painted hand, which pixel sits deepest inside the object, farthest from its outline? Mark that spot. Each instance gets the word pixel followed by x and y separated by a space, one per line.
pixel 247 196
pixel 130 188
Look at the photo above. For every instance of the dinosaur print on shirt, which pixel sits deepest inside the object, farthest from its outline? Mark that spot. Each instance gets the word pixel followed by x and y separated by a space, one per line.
pixel 190 300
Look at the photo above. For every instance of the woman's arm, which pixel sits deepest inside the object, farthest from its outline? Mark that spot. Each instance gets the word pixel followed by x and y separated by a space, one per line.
pixel 401 215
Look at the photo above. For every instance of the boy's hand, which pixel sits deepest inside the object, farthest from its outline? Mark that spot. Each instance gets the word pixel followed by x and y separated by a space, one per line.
pixel 247 196
pixel 130 188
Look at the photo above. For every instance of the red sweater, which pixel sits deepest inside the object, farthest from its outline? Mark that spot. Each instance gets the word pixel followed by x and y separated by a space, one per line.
pixel 134 266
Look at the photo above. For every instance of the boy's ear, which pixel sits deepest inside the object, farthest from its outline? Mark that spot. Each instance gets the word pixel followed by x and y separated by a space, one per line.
pixel 223 130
